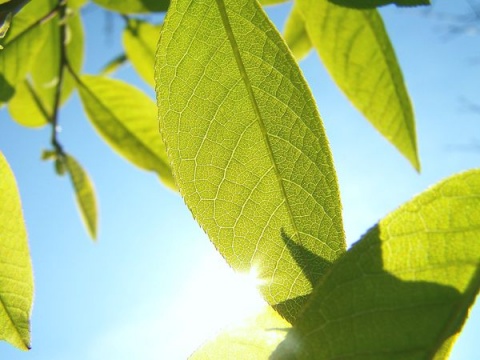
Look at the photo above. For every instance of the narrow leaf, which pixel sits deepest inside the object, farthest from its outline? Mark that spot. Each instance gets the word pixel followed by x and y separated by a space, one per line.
pixel 369 4
pixel 296 35
pixel 26 108
pixel 84 193
pixel 125 118
pixel 134 6
pixel 114 64
pixel 404 290
pixel 16 278
pixel 247 145
pixel 140 40
pixel 45 73
pixel 356 50
pixel 255 339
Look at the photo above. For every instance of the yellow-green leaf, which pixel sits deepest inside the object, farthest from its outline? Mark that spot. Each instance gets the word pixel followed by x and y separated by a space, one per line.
pixel 247 145
pixel 404 290
pixel 126 119
pixel 134 6
pixel 26 107
pixel 296 35
pixel 84 193
pixel 140 40
pixel 45 73
pixel 254 339
pixel 16 278
pixel 356 50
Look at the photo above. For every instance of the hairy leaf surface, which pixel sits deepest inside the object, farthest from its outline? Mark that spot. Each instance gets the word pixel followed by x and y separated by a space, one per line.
pixel 16 278
pixel 296 35
pixel 140 40
pixel 134 6
pixel 247 145
pixel 404 290
pixel 255 339
pixel 126 119
pixel 84 194
pixel 356 50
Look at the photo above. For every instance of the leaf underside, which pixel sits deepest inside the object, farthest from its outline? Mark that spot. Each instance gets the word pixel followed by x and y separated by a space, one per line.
pixel 404 290
pixel 247 146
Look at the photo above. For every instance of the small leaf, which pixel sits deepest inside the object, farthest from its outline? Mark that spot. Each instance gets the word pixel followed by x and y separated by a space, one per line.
pixel 296 34
pixel 126 118
pixel 134 6
pixel 84 193
pixel 60 168
pixel 404 290
pixel 140 40
pixel 369 4
pixel 48 155
pixel 26 107
pixel 247 145
pixel 255 339
pixel 356 50
pixel 16 277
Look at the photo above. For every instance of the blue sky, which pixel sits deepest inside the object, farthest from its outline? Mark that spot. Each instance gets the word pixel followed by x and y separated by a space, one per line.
pixel 149 288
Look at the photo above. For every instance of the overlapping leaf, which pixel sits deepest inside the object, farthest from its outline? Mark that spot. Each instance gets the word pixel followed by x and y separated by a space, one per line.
pixel 255 339
pixel 126 119
pixel 356 50
pixel 368 4
pixel 403 291
pixel 84 194
pixel 26 108
pixel 247 145
pixel 140 40
pixel 296 35
pixel 45 73
pixel 16 278
pixel 134 6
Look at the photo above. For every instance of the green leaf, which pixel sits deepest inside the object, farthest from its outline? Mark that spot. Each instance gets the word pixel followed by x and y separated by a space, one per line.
pixel 256 338
pixel 366 4
pixel 20 48
pixel 16 277
pixel 272 2
pixel 356 50
pixel 26 107
pixel 296 35
pixel 84 193
pixel 134 6
pixel 140 40
pixel 404 290
pixel 247 145
pixel 45 73
pixel 126 119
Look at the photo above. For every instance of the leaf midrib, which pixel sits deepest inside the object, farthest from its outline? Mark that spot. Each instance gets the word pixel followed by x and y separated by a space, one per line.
pixel 246 80
pixel 139 141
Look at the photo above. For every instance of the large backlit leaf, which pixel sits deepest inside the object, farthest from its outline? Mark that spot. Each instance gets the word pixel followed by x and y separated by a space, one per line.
pixel 247 145
pixel 126 119
pixel 255 339
pixel 356 50
pixel 404 290
pixel 134 6
pixel 84 193
pixel 16 278
pixel 140 40
pixel 365 4
pixel 45 73
pixel 296 35
pixel 26 107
